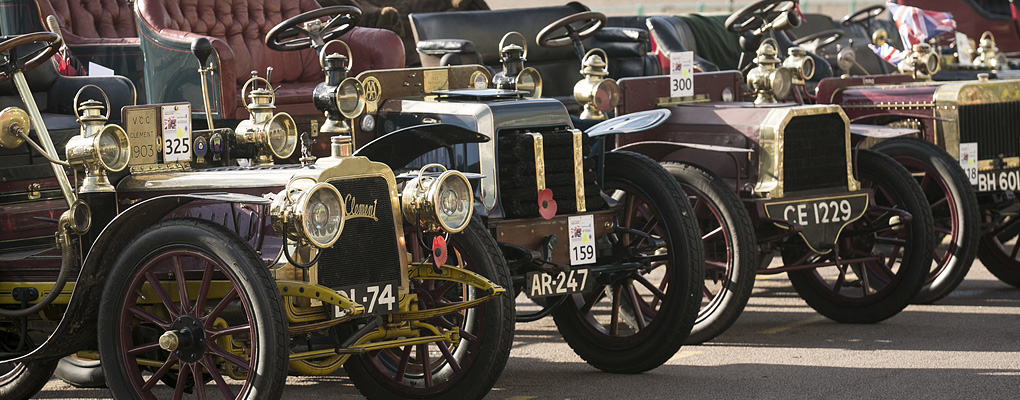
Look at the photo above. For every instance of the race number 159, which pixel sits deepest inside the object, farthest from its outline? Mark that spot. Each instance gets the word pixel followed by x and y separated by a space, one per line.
pixel 681 74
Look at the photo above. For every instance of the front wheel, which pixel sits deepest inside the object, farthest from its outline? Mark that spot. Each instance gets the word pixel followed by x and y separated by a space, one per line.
pixel 466 369
pixel 884 257
pixel 631 322
pixel 730 244
pixel 20 381
pixel 195 307
pixel 953 205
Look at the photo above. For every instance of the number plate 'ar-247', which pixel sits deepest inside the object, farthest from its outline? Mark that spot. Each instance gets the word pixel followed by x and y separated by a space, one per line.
pixel 821 219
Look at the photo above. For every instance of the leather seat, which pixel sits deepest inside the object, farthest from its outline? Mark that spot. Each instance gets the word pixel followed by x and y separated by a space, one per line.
pixel 237 30
pixel 672 34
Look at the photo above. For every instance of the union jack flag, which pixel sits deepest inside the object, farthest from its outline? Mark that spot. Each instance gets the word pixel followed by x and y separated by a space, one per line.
pixel 889 53
pixel 917 26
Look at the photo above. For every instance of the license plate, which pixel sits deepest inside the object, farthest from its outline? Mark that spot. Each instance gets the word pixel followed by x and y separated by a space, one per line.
pixel 377 299
pixel 998 180
pixel 542 284
pixel 821 219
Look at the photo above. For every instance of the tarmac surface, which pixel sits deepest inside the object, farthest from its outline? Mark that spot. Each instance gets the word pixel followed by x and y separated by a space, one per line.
pixel 963 346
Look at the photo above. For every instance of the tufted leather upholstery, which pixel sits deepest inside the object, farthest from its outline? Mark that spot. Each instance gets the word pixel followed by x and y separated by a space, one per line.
pixel 96 21
pixel 237 29
pixel 672 34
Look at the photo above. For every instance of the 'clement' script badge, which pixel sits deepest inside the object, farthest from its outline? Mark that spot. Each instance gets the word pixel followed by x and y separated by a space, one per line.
pixel 355 210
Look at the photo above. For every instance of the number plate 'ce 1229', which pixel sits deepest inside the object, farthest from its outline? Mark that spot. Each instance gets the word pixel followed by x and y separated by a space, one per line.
pixel 542 284
pixel 821 219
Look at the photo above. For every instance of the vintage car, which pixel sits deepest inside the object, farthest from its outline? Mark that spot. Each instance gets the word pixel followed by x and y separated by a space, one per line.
pixel 151 243
pixel 791 167
pixel 603 240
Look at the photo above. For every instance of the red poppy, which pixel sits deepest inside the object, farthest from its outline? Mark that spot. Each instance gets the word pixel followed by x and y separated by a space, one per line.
pixel 546 204
pixel 439 250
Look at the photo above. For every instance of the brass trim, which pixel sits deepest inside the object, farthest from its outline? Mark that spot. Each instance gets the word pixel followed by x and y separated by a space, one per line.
pixel 538 143
pixel 578 147
pixel 676 101
pixel 770 142
pixel 989 165
pixel 950 96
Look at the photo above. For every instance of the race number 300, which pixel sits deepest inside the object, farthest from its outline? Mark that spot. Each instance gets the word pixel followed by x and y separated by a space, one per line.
pixel 681 74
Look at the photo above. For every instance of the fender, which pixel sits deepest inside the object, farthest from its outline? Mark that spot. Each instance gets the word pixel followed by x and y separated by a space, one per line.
pixel 398 148
pixel 631 123
pixel 880 132
pixel 77 327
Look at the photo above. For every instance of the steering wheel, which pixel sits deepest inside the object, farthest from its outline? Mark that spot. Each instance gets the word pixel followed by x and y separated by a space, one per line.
pixel 820 39
pixel 296 33
pixel 863 17
pixel 30 60
pixel 754 15
pixel 590 22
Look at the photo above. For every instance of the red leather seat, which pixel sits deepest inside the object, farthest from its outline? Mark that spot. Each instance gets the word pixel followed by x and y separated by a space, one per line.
pixel 237 30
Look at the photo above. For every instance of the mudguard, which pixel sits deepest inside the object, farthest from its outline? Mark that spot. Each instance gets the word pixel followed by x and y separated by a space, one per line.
pixel 77 328
pixel 398 148
pixel 634 122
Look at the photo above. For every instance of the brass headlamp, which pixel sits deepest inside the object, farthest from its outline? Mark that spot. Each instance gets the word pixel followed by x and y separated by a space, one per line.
pixel 309 212
pixel 768 79
pixel 596 93
pixel 989 55
pixel 802 66
pixel 515 76
pixel 922 62
pixel 274 135
pixel 438 202
pixel 99 147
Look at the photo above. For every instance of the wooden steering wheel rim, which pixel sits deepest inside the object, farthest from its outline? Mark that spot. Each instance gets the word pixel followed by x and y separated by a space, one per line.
pixel 40 56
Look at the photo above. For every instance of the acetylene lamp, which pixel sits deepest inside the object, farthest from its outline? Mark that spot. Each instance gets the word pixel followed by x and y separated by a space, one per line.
pixel 989 55
pixel 595 92
pixel 99 148
pixel 922 62
pixel 309 212
pixel 515 76
pixel 339 98
pixel 438 201
pixel 274 135
pixel 768 79
pixel 798 62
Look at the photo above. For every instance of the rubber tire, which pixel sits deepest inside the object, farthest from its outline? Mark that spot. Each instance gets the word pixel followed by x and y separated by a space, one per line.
pixel 739 241
pixel 673 320
pixel 233 255
pixel 480 373
pixel 996 261
pixel 80 373
pixel 889 175
pixel 24 380
pixel 960 213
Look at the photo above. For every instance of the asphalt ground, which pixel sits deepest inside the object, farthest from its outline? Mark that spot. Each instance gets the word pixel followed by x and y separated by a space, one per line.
pixel 963 346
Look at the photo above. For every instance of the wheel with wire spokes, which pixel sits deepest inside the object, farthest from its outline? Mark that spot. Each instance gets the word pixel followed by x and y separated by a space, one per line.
pixel 196 307
pixel 881 260
pixel 633 321
pixel 730 245
pixel 466 368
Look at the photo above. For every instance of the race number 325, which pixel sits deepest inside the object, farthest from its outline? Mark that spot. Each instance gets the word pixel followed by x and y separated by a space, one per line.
pixel 681 74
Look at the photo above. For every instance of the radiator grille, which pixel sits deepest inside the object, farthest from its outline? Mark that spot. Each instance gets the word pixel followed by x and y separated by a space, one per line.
pixel 367 251
pixel 814 149
pixel 518 189
pixel 993 126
